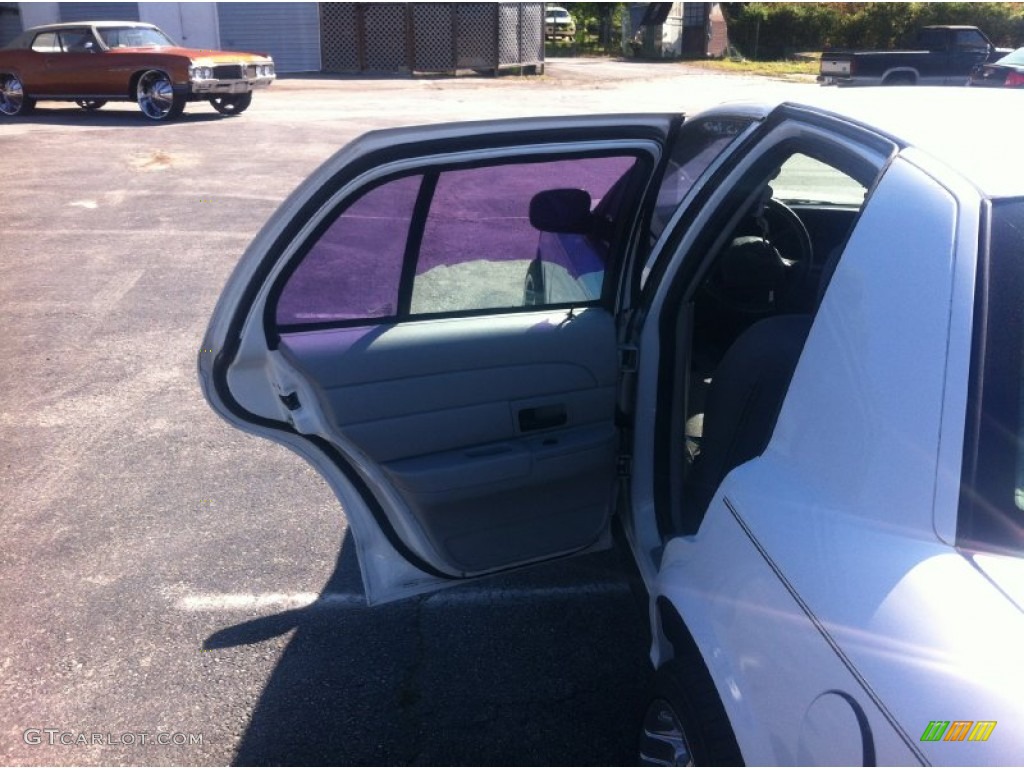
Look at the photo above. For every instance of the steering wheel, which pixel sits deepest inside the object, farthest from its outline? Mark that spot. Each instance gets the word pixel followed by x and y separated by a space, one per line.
pixel 765 264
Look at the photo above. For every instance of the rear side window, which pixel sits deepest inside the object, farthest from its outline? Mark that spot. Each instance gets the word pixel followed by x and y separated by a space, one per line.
pixel 992 499
pixel 463 239
pixel 354 267
pixel 46 42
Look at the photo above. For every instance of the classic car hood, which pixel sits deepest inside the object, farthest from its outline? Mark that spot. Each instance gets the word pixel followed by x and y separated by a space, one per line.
pixel 199 55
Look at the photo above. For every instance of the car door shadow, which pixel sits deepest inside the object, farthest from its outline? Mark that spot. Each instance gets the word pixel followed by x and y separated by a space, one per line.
pixel 547 666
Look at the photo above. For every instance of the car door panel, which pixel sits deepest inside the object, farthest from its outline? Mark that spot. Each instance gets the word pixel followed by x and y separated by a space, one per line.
pixel 484 435
pixel 379 327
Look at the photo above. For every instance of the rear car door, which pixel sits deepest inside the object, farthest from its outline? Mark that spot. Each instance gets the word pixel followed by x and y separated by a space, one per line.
pixel 381 325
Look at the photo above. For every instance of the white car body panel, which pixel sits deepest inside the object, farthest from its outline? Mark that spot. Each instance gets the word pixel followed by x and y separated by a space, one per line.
pixel 917 624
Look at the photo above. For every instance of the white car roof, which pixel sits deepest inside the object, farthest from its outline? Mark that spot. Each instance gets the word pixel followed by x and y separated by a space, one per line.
pixel 975 131
pixel 79 24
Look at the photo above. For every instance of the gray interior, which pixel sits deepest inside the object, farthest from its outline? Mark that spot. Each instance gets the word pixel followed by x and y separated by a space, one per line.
pixel 497 431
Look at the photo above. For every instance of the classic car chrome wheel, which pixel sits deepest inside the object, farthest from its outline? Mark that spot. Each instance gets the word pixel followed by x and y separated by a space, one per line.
pixel 232 104
pixel 156 96
pixel 13 100
pixel 90 104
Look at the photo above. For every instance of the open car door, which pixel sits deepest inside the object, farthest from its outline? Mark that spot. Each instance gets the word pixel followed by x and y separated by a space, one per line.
pixel 429 320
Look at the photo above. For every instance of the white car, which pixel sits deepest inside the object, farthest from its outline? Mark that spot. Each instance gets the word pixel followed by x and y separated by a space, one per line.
pixel 558 23
pixel 793 378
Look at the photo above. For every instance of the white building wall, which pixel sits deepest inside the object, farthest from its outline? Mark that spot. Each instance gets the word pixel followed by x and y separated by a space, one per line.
pixel 193 25
pixel 34 14
pixel 672 32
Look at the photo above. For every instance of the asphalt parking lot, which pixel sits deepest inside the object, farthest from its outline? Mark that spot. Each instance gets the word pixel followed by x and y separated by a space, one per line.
pixel 162 572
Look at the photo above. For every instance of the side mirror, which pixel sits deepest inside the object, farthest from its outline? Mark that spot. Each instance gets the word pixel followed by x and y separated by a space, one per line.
pixel 564 211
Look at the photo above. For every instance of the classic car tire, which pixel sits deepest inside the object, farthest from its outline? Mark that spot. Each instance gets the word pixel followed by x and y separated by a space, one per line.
pixel 232 104
pixel 13 101
pixel 90 105
pixel 156 96
pixel 685 722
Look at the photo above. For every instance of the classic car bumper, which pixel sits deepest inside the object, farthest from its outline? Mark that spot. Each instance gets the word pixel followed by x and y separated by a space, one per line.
pixel 230 78
pixel 243 85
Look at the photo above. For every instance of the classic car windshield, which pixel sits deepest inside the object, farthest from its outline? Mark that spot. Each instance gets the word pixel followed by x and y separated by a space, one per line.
pixel 134 37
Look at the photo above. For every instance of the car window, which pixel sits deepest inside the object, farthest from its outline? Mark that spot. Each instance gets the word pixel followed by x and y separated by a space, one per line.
pixel 354 268
pixel 803 179
pixel 970 40
pixel 460 240
pixel 992 499
pixel 1017 58
pixel 133 37
pixel 74 40
pixel 698 146
pixel 46 42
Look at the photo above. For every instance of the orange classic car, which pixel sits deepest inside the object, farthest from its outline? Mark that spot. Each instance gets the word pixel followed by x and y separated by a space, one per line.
pixel 92 63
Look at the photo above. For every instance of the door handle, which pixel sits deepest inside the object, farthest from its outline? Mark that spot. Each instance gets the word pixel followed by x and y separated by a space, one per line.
pixel 542 417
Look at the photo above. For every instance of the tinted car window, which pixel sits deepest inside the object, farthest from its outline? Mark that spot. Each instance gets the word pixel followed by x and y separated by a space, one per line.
pixel 970 40
pixel 478 242
pixel 463 237
pixel 698 145
pixel 992 497
pixel 354 268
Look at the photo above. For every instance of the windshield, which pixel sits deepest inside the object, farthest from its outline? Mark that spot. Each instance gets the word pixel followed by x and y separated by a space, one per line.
pixel 558 13
pixel 1017 57
pixel 134 37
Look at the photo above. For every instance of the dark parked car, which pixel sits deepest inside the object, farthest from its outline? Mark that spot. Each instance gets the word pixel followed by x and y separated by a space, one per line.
pixel 938 55
pixel 1008 72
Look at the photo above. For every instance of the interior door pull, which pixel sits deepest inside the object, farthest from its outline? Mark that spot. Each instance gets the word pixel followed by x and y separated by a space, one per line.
pixel 542 417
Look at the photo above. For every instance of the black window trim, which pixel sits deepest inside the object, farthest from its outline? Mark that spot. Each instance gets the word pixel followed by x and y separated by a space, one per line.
pixel 987 518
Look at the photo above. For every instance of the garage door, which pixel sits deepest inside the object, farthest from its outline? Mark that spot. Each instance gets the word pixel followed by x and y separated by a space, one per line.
pixel 99 11
pixel 10 22
pixel 290 32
